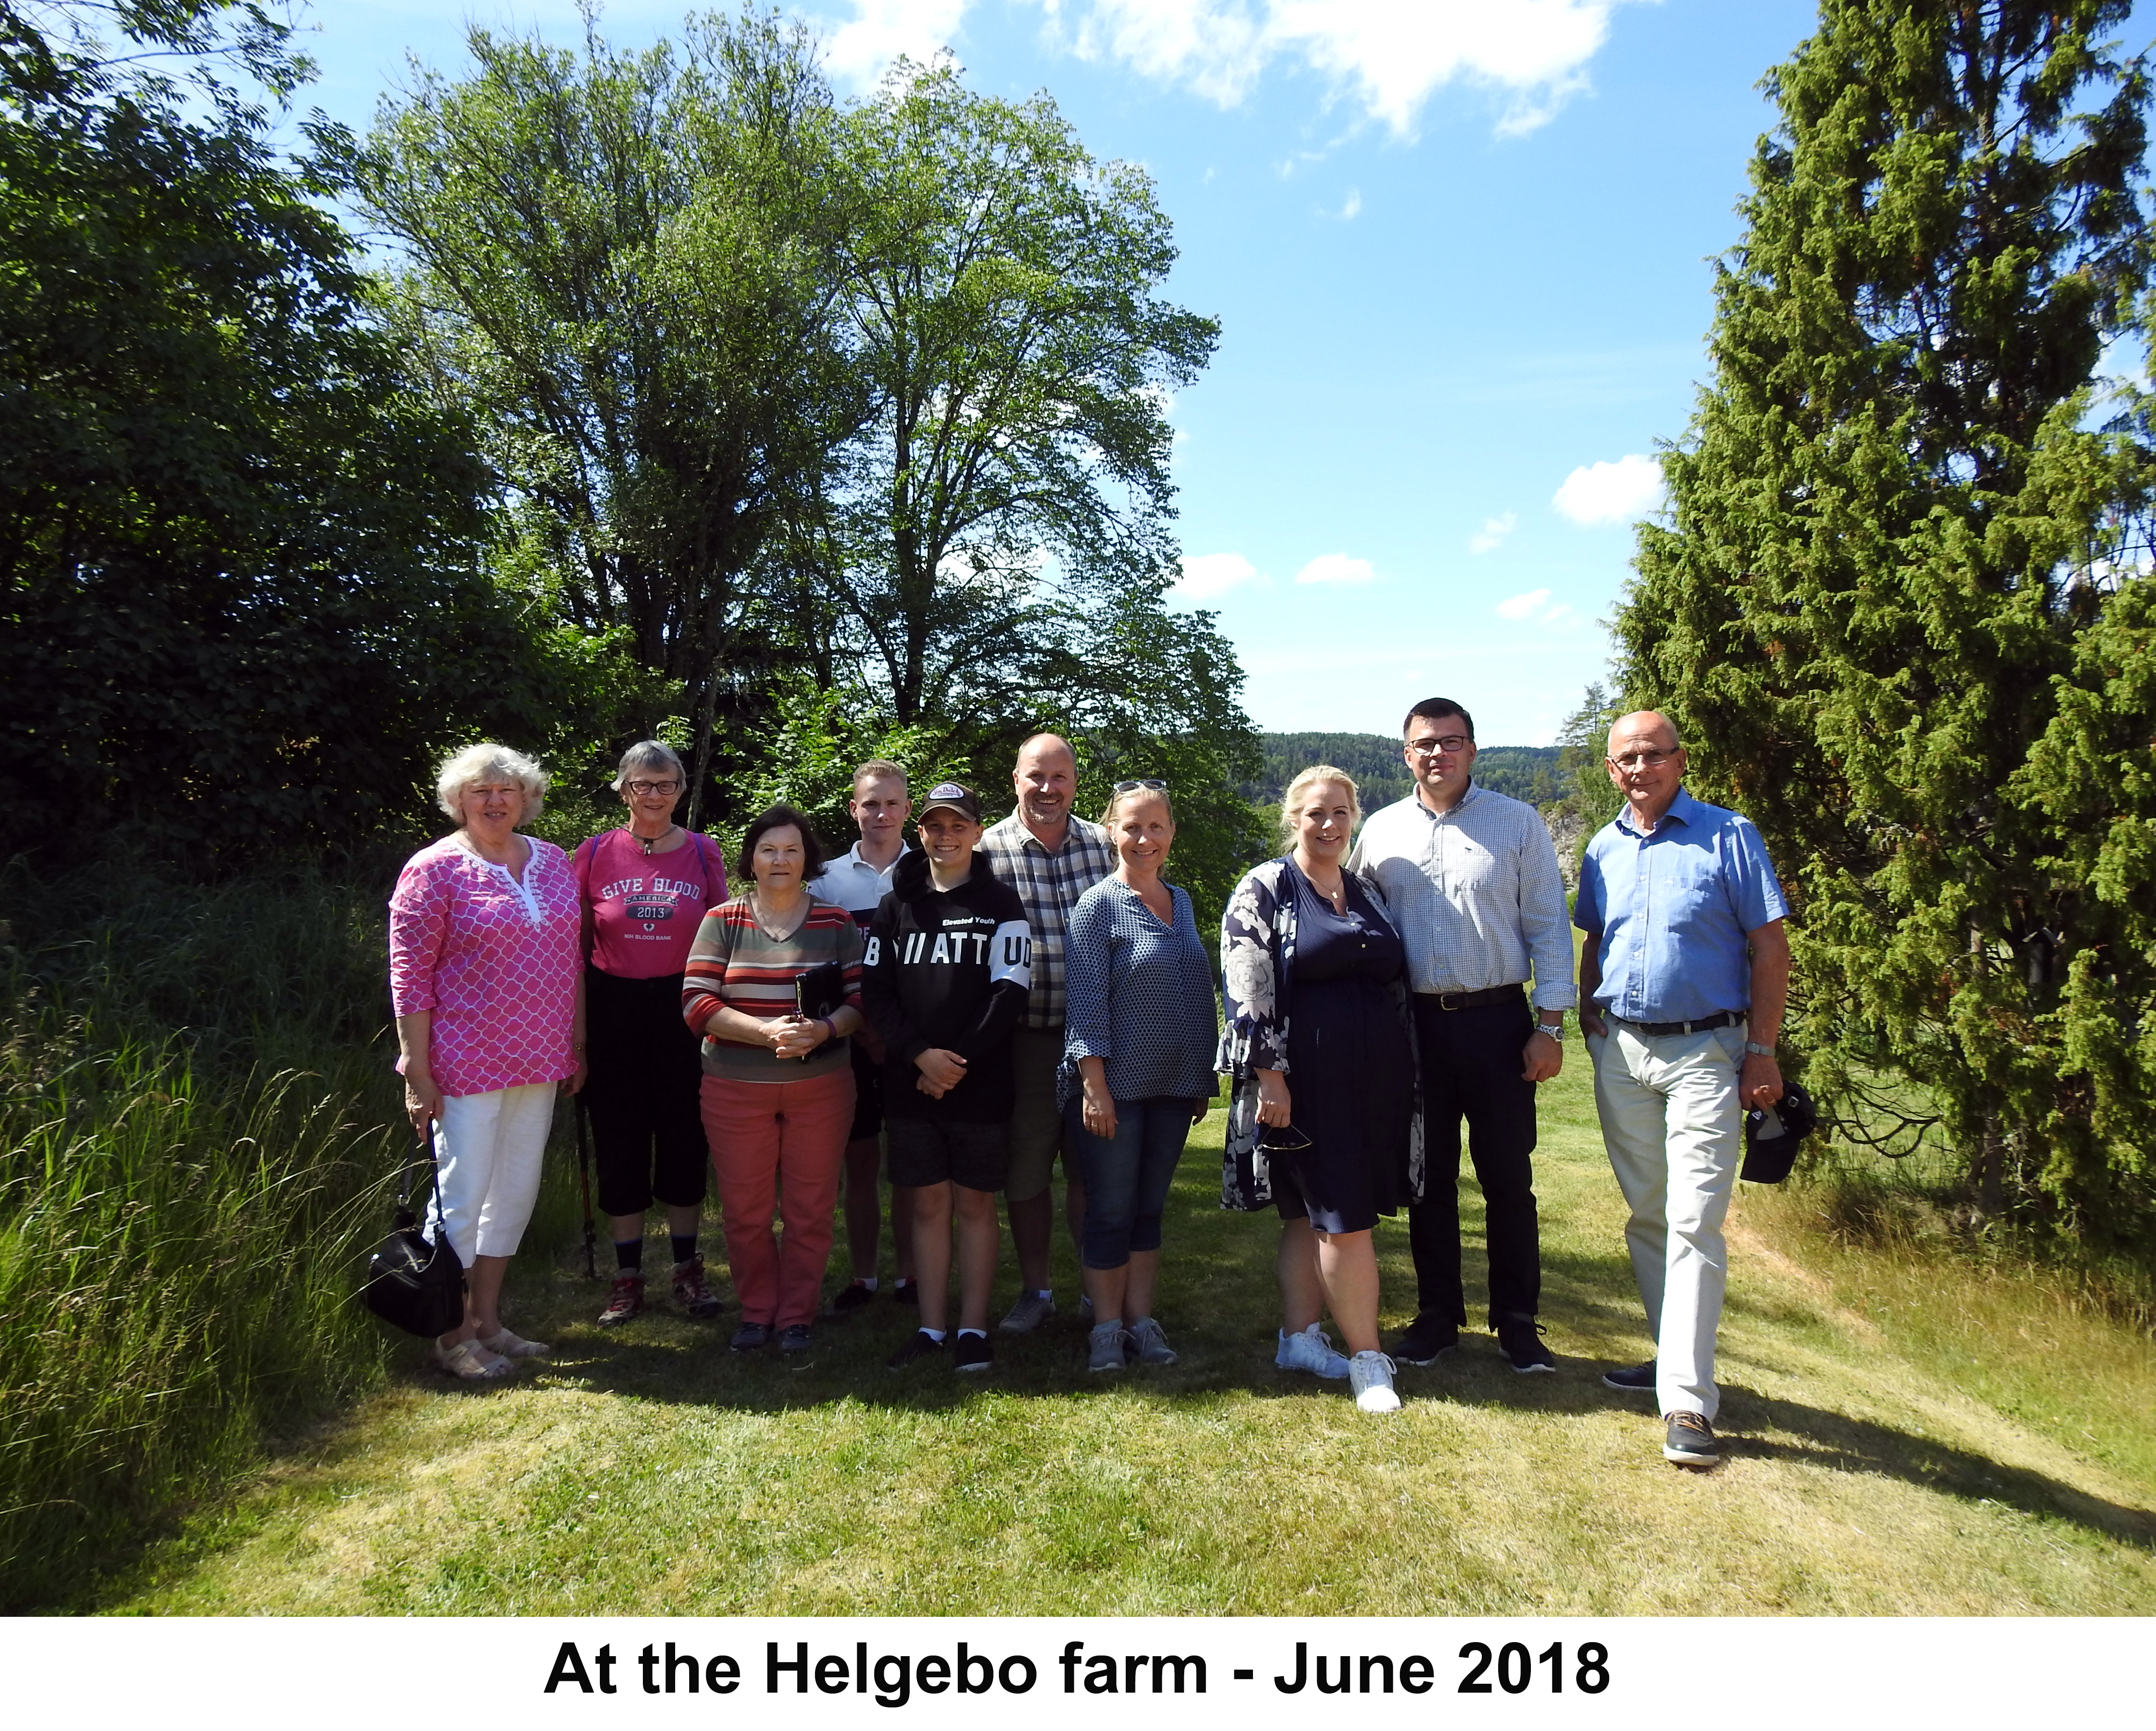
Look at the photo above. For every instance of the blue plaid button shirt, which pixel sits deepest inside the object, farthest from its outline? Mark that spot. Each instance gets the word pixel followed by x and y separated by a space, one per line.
pixel 1050 885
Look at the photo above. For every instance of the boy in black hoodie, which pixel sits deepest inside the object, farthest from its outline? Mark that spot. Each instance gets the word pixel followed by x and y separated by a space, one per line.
pixel 944 979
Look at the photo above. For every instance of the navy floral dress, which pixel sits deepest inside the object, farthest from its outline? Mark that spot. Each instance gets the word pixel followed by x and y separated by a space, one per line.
pixel 1258 937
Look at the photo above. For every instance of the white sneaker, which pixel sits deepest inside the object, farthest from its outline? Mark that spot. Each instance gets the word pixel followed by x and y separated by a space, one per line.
pixel 1028 1314
pixel 1310 1350
pixel 1370 1376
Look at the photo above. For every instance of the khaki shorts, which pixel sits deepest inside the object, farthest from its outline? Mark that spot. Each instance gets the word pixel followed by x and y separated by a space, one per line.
pixel 1036 1124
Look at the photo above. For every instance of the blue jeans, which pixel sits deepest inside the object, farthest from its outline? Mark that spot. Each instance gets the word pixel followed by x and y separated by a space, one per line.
pixel 1127 1174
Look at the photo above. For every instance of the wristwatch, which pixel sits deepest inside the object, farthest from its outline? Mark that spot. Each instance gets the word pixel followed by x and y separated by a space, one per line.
pixel 1555 1030
pixel 1759 1050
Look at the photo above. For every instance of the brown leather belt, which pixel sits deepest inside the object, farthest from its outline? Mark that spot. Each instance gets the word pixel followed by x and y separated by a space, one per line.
pixel 1473 1000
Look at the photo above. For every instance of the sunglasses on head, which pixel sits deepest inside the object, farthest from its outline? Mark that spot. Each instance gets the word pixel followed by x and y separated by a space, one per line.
pixel 1128 786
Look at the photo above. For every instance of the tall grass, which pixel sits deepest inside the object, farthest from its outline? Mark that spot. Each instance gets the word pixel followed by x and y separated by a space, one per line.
pixel 195 1137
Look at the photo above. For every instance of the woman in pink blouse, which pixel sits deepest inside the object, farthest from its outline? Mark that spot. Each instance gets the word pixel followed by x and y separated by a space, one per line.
pixel 484 974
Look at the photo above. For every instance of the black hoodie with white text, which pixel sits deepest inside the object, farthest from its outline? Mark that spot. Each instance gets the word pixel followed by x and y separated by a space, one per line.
pixel 947 968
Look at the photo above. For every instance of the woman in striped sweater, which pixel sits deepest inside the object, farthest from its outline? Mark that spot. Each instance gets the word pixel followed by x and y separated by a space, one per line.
pixel 779 1086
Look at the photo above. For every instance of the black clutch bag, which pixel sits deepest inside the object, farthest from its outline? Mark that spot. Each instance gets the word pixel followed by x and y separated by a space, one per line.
pixel 820 991
pixel 411 1284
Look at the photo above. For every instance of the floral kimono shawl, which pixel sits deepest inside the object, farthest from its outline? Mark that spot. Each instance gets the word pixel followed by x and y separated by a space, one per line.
pixel 1257 967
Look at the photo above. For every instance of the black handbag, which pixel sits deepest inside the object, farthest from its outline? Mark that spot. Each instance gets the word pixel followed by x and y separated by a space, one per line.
pixel 416 1285
pixel 819 991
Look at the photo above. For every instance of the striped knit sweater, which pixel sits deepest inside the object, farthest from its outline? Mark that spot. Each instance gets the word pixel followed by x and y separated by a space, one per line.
pixel 734 961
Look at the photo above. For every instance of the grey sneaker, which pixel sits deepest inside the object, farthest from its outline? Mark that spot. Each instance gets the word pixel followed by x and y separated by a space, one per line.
pixel 1370 1377
pixel 1310 1350
pixel 1028 1314
pixel 1150 1343
pixel 1633 1379
pixel 1105 1347
pixel 1690 1440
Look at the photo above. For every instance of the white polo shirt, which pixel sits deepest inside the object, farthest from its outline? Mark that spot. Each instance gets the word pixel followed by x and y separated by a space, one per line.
pixel 855 884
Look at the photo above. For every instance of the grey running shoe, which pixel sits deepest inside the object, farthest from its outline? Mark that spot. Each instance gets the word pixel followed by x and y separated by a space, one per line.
pixel 1310 1350
pixel 1028 1314
pixel 750 1336
pixel 1105 1347
pixel 1370 1378
pixel 1150 1343
pixel 794 1337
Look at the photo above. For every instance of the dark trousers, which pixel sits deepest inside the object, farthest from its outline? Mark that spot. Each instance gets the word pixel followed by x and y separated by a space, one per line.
pixel 643 1093
pixel 1471 1070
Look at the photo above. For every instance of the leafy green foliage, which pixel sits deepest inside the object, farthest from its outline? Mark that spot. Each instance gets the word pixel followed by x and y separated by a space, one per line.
pixel 1524 771
pixel 237 566
pixel 1896 610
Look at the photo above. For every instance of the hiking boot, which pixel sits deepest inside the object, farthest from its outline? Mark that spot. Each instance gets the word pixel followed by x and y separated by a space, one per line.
pixel 1691 1440
pixel 750 1338
pixel 624 1299
pixel 1028 1314
pixel 793 1337
pixel 972 1352
pixel 851 1299
pixel 1632 1378
pixel 1310 1350
pixel 1519 1338
pixel 1105 1347
pixel 1370 1378
pixel 1150 1342
pixel 692 1295
pixel 1425 1340
pixel 921 1345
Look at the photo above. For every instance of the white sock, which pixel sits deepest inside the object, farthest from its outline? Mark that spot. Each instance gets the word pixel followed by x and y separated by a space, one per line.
pixel 934 1334
pixel 866 1281
pixel 1110 1322
pixel 1047 1292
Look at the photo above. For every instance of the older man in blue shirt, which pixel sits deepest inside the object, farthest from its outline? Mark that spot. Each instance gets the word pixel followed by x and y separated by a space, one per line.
pixel 1683 985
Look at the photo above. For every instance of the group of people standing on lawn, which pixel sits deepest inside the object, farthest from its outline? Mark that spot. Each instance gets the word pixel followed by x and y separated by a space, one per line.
pixel 957 1011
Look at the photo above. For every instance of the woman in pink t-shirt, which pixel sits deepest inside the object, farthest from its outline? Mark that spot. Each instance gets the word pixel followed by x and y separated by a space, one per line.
pixel 483 933
pixel 646 888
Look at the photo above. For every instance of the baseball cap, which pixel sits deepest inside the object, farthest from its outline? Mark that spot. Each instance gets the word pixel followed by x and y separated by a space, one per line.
pixel 1773 1135
pixel 950 793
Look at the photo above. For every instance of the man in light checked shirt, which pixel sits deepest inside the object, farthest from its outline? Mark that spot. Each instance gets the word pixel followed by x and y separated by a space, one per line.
pixel 1473 882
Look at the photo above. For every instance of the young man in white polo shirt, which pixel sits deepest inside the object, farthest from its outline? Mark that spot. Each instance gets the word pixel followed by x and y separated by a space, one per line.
pixel 857 881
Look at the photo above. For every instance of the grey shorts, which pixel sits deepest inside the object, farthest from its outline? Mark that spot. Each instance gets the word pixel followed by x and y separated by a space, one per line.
pixel 1036 1123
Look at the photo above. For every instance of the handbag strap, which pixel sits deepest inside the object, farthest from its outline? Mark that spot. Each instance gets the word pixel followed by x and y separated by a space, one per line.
pixel 422 1138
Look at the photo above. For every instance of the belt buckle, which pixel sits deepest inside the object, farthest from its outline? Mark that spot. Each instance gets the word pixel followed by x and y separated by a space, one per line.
pixel 1445 1000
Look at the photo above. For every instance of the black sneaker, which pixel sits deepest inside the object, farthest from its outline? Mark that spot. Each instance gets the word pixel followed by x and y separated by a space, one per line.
pixel 972 1352
pixel 1691 1440
pixel 793 1337
pixel 750 1336
pixel 1633 1379
pixel 1519 1338
pixel 851 1299
pixel 922 1345
pixel 1425 1340
pixel 906 1292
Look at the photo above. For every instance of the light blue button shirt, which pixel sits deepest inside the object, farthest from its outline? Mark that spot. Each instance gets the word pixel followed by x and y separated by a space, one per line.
pixel 1672 908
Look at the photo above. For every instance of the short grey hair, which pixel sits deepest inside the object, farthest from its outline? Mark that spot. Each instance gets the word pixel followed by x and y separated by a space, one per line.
pixel 648 754
pixel 476 763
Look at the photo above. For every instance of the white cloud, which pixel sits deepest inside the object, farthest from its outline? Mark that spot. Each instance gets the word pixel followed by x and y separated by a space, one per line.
pixel 881 30
pixel 1206 577
pixel 1535 605
pixel 1618 492
pixel 1493 533
pixel 1353 206
pixel 1337 568
pixel 1391 54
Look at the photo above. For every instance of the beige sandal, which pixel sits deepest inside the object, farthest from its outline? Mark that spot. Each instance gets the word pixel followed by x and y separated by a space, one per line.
pixel 515 1346
pixel 469 1362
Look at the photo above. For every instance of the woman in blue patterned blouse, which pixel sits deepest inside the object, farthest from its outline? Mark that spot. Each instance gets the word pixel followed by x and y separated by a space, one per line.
pixel 1137 1066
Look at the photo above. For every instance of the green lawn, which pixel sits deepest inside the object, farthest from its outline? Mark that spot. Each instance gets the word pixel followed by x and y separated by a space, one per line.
pixel 1902 1439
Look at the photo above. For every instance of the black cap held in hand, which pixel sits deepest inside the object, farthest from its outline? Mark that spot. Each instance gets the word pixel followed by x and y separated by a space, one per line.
pixel 1773 1134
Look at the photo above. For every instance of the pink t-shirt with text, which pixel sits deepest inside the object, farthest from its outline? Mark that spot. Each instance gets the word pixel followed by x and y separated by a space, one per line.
pixel 645 908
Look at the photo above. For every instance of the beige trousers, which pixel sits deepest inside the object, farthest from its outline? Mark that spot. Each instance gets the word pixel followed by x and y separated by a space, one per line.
pixel 1673 1126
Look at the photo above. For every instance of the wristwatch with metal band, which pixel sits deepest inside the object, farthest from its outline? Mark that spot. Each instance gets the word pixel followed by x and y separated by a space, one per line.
pixel 1759 1050
pixel 1555 1030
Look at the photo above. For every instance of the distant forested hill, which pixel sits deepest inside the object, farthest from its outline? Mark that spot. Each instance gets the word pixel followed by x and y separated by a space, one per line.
pixel 1525 771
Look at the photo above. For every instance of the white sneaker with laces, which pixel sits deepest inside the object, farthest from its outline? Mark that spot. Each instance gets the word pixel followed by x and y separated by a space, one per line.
pixel 1311 1350
pixel 1370 1376
pixel 1028 1314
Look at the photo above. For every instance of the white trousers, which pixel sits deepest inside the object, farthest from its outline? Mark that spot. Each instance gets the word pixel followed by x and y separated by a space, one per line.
pixel 1674 1125
pixel 488 1148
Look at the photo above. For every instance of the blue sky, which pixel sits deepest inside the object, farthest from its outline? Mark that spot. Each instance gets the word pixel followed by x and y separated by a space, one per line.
pixel 1459 249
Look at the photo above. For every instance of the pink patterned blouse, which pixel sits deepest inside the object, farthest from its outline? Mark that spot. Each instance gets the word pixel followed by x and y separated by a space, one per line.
pixel 495 960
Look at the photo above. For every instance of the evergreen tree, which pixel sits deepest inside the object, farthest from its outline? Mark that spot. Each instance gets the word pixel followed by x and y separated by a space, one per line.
pixel 1893 609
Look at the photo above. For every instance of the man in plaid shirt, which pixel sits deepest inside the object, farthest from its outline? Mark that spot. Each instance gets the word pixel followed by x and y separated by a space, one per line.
pixel 1051 858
